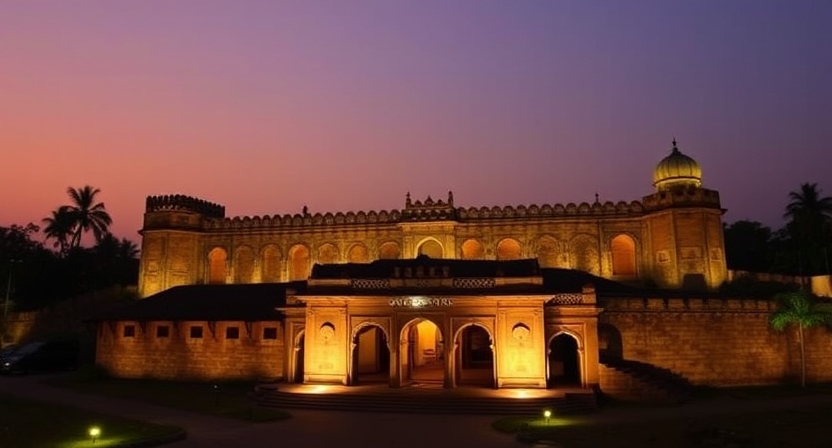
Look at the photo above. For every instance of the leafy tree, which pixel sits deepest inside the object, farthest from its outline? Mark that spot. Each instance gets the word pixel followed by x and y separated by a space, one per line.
pixel 802 310
pixel 747 246
pixel 60 227
pixel 117 261
pixel 87 214
pixel 809 216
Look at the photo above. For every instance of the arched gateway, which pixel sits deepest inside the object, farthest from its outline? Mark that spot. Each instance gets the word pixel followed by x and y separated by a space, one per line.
pixel 439 323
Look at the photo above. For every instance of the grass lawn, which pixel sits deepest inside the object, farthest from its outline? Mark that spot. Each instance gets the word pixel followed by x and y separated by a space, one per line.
pixel 220 399
pixel 34 424
pixel 803 427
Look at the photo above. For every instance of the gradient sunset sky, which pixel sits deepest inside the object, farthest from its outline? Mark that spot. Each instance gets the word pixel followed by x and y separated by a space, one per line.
pixel 267 106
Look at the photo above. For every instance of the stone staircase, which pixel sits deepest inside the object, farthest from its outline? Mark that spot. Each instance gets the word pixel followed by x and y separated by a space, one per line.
pixel 426 400
pixel 639 381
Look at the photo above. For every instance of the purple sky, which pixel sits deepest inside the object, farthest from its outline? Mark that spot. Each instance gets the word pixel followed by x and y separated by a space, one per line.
pixel 264 106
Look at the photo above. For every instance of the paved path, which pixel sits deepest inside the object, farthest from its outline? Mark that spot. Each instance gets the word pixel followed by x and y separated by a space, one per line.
pixel 314 429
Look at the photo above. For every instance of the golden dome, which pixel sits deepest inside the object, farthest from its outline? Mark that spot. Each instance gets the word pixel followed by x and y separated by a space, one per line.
pixel 675 170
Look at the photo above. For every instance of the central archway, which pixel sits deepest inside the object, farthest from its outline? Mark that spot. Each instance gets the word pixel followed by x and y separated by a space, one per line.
pixel 474 357
pixel 422 353
pixel 370 356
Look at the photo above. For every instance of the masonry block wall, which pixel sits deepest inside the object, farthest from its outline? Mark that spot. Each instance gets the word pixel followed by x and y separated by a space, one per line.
pixel 714 342
pixel 253 351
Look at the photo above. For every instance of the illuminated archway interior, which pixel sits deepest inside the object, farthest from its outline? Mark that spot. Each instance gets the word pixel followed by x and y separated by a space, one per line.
pixel 423 351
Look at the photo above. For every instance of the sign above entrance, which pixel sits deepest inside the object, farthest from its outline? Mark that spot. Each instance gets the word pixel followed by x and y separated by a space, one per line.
pixel 420 301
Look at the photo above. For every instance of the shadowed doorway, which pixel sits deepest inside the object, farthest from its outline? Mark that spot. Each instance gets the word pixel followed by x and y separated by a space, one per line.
pixel 564 369
pixel 474 357
pixel 371 357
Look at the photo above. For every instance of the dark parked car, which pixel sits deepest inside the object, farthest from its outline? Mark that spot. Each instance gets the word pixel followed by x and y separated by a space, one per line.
pixel 40 357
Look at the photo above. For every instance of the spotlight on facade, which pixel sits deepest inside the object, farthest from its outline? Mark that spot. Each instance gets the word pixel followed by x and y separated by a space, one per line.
pixel 95 432
pixel 522 394
pixel 547 414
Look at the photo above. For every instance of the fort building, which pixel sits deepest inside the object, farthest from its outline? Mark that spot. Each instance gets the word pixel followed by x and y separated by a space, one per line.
pixel 531 296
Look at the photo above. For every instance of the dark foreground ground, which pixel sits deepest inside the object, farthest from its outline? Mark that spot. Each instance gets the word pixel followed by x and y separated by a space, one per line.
pixel 367 430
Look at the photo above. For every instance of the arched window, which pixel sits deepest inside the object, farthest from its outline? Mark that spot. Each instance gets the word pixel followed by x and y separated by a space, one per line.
pixel 623 249
pixel 298 262
pixel 270 266
pixel 547 252
pixel 389 251
pixel 217 259
pixel 359 254
pixel 472 250
pixel 328 254
pixel 431 248
pixel 508 249
pixel 244 265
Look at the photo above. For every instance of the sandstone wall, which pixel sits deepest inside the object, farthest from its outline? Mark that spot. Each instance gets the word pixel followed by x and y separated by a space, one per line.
pixel 715 342
pixel 182 357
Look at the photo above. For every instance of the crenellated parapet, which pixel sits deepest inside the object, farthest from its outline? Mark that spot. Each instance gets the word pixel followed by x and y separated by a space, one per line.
pixel 682 197
pixel 182 203
pixel 582 210
pixel 432 210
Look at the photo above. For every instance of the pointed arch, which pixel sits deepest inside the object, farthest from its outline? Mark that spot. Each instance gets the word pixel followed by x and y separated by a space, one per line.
pixel 430 247
pixel 547 252
pixel 473 250
pixel 298 262
pixel 244 264
pixel 270 264
pixel 509 249
pixel 389 251
pixel 584 254
pixel 358 253
pixel 623 252
pixel 217 265
pixel 328 254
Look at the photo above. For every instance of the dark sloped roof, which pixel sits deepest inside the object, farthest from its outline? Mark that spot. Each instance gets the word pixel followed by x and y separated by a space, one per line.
pixel 247 302
pixel 456 268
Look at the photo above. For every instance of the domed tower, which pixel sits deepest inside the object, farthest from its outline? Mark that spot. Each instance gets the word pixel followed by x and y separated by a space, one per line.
pixel 677 171
pixel 685 226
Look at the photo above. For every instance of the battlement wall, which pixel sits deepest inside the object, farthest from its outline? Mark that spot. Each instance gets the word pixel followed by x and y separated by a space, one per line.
pixel 470 214
pixel 180 203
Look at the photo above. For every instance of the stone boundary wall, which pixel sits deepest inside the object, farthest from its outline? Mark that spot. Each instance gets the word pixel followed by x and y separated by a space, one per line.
pixel 182 358
pixel 609 209
pixel 714 342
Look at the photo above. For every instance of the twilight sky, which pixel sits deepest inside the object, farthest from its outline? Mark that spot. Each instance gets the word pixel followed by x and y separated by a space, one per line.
pixel 264 106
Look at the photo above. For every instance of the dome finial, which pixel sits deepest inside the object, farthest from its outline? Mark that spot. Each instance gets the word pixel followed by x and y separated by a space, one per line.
pixel 674 144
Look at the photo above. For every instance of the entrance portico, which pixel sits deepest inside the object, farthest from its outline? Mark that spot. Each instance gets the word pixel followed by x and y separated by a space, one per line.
pixel 438 321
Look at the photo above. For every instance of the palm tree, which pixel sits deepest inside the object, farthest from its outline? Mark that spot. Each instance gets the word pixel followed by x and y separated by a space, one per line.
pixel 87 214
pixel 60 227
pixel 809 216
pixel 800 309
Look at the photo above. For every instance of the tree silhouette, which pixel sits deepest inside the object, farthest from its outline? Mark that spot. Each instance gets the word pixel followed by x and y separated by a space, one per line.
pixel 87 214
pixel 800 309
pixel 60 227
pixel 809 216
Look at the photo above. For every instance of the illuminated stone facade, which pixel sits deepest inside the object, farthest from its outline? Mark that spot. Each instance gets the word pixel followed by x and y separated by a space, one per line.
pixel 671 238
pixel 526 296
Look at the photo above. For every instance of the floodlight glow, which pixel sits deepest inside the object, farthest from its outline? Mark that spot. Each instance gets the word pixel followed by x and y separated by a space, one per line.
pixel 95 431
